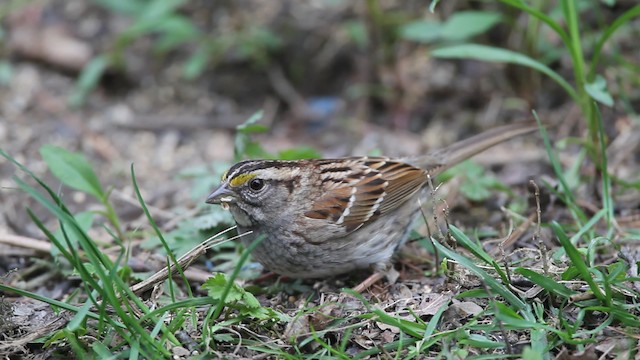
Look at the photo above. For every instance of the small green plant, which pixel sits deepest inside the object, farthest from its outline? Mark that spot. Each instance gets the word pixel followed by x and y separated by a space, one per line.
pixel 74 170
pixel 247 148
pixel 237 297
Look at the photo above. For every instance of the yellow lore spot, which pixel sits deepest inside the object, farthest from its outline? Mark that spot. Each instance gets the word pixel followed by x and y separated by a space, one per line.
pixel 241 179
pixel 224 176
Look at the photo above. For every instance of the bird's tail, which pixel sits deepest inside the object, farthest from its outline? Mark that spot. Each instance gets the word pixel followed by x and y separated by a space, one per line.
pixel 464 149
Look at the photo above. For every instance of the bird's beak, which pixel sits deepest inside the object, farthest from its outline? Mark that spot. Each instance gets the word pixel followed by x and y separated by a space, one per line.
pixel 221 195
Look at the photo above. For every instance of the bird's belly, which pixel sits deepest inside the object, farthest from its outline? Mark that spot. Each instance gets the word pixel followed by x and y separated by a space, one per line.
pixel 372 244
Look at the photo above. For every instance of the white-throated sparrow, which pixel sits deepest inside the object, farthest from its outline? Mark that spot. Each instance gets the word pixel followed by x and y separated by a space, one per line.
pixel 330 216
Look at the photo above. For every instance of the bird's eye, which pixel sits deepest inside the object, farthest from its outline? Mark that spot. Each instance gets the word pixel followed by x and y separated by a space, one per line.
pixel 256 184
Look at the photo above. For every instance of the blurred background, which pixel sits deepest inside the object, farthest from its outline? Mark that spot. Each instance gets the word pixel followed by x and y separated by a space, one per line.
pixel 163 84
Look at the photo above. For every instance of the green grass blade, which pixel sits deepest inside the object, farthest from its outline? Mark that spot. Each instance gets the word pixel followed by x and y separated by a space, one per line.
pixel 577 261
pixel 578 215
pixel 493 54
pixel 575 49
pixel 608 32
pixel 80 316
pixel 547 283
pixel 158 232
pixel 607 200
pixel 46 300
pixel 73 170
pixel 433 322
pixel 88 79
pixel 475 248
pixel 555 26
pixel 102 271
pixel 492 283
pixel 589 225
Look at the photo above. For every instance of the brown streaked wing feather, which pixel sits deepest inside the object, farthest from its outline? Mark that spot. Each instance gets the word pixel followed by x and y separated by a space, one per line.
pixel 380 187
pixel 331 205
pixel 404 181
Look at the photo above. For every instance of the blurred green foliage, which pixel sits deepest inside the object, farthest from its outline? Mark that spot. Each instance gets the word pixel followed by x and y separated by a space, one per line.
pixel 461 26
pixel 170 29
pixel 476 184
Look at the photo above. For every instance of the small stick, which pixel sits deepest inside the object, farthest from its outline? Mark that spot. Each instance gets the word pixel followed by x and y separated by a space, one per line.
pixel 369 281
pixel 184 261
pixel 25 242
pixel 430 237
pixel 514 235
pixel 536 234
